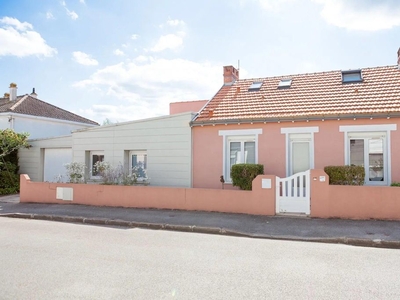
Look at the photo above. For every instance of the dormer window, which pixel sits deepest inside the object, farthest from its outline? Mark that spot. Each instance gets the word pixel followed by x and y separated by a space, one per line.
pixel 285 83
pixel 351 76
pixel 255 86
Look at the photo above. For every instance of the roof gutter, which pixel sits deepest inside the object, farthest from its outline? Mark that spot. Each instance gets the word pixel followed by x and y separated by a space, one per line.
pixel 297 119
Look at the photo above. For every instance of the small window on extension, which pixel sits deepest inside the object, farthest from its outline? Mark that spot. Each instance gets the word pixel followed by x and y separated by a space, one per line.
pixel 255 86
pixel 285 83
pixel 351 76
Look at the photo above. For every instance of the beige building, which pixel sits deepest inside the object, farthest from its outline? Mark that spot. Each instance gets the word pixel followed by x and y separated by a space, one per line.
pixel 161 146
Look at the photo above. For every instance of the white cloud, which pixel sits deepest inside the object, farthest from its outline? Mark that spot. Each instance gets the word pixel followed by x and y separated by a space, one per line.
pixel 73 15
pixel 372 16
pixel 49 15
pixel 118 52
pixel 169 41
pixel 84 59
pixel 82 1
pixel 175 22
pixel 274 5
pixel 145 86
pixel 19 39
pixel 134 36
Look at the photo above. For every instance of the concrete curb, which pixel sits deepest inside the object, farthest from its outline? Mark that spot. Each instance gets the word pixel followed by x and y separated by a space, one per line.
pixel 377 243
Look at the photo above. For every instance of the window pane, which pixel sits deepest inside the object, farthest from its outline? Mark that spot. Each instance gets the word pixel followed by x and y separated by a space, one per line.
pixel 375 158
pixel 139 164
pixel 250 152
pixel 357 152
pixel 95 159
pixel 234 154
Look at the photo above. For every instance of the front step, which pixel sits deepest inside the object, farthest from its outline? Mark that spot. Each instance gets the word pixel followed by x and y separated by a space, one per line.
pixel 293 215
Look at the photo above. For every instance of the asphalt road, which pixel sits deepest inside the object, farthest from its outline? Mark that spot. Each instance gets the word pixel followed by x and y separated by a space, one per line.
pixel 50 260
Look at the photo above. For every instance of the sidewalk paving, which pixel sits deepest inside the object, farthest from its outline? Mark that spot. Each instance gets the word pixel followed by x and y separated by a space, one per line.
pixel 372 233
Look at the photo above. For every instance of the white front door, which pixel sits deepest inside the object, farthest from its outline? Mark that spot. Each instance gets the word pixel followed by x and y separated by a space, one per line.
pixel 299 153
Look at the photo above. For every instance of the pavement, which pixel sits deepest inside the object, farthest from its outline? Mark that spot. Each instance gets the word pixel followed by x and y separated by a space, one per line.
pixel 369 233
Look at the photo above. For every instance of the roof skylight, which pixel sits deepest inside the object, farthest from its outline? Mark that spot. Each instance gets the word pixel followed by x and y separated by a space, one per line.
pixel 255 86
pixel 285 83
pixel 351 76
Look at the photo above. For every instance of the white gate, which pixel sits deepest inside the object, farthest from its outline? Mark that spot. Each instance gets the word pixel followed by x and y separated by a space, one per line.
pixel 293 193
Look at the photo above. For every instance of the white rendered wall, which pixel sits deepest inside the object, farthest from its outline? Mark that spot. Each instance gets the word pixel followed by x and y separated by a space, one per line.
pixel 167 141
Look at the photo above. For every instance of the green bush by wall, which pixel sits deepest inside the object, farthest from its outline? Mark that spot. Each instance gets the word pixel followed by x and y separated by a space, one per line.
pixel 345 175
pixel 9 178
pixel 243 174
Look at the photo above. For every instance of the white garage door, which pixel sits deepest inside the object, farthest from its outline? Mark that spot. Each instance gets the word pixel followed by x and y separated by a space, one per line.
pixel 54 160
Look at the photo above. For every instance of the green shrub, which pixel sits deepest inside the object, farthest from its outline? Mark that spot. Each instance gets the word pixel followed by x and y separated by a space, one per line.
pixel 243 174
pixel 9 179
pixel 345 175
pixel 395 184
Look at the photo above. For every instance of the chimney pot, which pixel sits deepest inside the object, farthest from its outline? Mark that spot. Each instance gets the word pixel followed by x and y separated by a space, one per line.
pixel 33 94
pixel 230 75
pixel 13 91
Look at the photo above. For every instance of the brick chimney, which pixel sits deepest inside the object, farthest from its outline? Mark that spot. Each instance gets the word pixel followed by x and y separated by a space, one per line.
pixel 13 91
pixel 230 75
pixel 33 94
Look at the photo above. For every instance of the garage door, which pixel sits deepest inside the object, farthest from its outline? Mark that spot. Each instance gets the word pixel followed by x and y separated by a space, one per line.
pixel 54 160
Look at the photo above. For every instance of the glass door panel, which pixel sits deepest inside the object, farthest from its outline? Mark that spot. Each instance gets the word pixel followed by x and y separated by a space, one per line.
pixel 250 152
pixel 357 152
pixel 375 160
pixel 300 156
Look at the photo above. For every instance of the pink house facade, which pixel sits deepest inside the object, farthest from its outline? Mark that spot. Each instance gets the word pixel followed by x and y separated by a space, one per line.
pixel 298 122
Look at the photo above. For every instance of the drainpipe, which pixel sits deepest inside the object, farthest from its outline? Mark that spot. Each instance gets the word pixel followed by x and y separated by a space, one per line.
pixel 11 121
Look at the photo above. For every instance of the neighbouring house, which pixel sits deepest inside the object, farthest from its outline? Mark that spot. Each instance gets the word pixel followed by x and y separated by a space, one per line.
pixel 40 119
pixel 298 122
pixel 162 146
pixel 186 106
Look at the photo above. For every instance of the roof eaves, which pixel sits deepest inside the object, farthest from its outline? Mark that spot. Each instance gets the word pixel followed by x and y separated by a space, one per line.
pixel 296 119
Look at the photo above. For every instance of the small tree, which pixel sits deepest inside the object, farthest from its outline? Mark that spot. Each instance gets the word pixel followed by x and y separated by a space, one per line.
pixel 11 141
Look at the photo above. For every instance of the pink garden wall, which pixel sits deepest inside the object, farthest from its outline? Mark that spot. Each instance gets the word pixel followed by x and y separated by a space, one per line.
pixel 259 201
pixel 353 202
pixel 327 201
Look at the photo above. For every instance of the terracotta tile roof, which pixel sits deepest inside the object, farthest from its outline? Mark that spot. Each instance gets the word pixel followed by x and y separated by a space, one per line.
pixel 310 95
pixel 28 105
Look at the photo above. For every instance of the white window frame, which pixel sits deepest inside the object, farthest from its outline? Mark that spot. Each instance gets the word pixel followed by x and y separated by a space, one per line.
pixel 137 152
pixel 287 131
pixel 91 163
pixel 368 131
pixel 243 135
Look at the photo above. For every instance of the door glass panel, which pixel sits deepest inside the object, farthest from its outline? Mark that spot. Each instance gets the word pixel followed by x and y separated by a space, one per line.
pixel 375 159
pixel 139 164
pixel 300 157
pixel 234 154
pixel 250 152
pixel 96 158
pixel 357 152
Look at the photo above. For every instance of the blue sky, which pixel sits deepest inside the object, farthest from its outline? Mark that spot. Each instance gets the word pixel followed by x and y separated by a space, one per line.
pixel 127 60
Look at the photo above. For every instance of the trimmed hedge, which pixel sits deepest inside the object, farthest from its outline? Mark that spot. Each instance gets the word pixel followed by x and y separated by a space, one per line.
pixel 243 174
pixel 345 175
